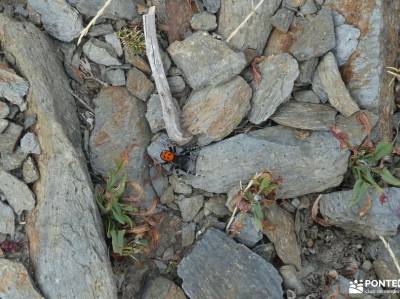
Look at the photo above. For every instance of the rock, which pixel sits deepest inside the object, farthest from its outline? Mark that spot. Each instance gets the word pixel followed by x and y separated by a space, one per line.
pixel 249 233
pixel 291 279
pixel 266 251
pixel 17 194
pixel 346 42
pixel 116 77
pixel 214 112
pixel 12 161
pixel 307 69
pixel 308 7
pixel 162 288
pixel 7 221
pixel 282 19
pixel 114 42
pixel 138 84
pixel 65 231
pixel 188 234
pixel 165 60
pixel 305 116
pixel 278 74
pixel 254 34
pixel 154 114
pixel 59 19
pixel 190 207
pixel 176 84
pixel 168 196
pixel 30 120
pixel 158 180
pixel 178 185
pixel 4 110
pixel 216 205
pixel 204 21
pixel 381 219
pixel 215 251
pixel 205 60
pixel 125 9
pixel 293 3
pixel 320 164
pixel 137 61
pixel 13 87
pixel 158 143
pixel 3 125
pixel 333 85
pixel 15 282
pixel 100 30
pixel 306 96
pixel 212 5
pixel 30 172
pixel 100 52
pixel 30 144
pixel 9 137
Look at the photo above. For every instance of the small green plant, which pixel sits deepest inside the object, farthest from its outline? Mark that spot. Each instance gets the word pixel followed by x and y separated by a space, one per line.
pixel 133 39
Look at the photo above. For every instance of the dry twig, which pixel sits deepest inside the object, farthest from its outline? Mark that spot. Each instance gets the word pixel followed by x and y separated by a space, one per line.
pixel 391 253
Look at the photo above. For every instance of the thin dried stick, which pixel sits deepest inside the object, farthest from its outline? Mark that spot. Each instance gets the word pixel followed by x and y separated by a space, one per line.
pixel 246 19
pixel 93 21
pixel 391 253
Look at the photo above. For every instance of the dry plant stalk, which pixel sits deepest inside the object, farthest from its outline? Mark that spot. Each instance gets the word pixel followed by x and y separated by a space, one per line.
pixel 391 253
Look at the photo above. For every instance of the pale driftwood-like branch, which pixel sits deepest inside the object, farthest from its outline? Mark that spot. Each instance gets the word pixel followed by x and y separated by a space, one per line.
pixel 170 108
pixel 391 253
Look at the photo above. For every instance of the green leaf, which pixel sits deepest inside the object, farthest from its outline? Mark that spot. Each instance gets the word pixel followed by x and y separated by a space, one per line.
pixel 258 223
pixel 389 178
pixel 359 190
pixel 249 196
pixel 117 240
pixel 382 149
pixel 120 189
pixel 265 185
pixel 119 215
pixel 257 211
pixel 369 178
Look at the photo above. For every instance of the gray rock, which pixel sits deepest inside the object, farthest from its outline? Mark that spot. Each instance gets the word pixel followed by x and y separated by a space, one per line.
pixel 59 19
pixel 4 110
pixel 212 5
pixel 381 219
pixel 154 114
pixel 319 89
pixel 168 196
pixel 30 144
pixel 205 60
pixel 176 84
pixel 266 251
pixel 307 69
pixel 188 234
pixel 30 120
pixel 16 283
pixel 125 9
pixel 159 143
pixel 137 61
pixel 7 220
pixel 291 279
pixel 162 288
pixel 178 184
pixel 12 161
pixel 100 52
pixel 214 112
pixel 278 74
pixel 9 137
pixel 319 162
pixel 305 116
pixel 204 21
pixel 190 207
pixel 282 19
pixel 3 125
pixel 100 30
pixel 308 7
pixel 254 34
pixel 165 60
pixel 114 41
pixel 13 87
pixel 30 173
pixel 306 96
pixel 17 193
pixel 334 87
pixel 293 3
pixel 159 181
pixel 249 233
pixel 65 232
pixel 216 205
pixel 346 42
pixel 116 77
pixel 214 252
pixel 138 84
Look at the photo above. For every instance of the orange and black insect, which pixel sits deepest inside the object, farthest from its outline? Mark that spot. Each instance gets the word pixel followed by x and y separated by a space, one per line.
pixel 168 156
pixel 177 158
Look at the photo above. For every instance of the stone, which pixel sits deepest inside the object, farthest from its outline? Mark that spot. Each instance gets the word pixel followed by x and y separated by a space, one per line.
pixel 293 3
pixel 13 87
pixel 204 21
pixel 100 30
pixel 66 242
pixel 253 34
pixel 114 42
pixel 306 116
pixel 212 5
pixel 30 144
pixel 116 77
pixel 154 114
pixel 178 185
pixel 190 206
pixel 214 252
pixel 30 173
pixel 381 219
pixel 59 19
pixel 100 52
pixel 30 120
pixel 320 164
pixel 334 87
pixel 9 137
pixel 168 196
pixel 159 181
pixel 278 74
pixel 138 84
pixel 266 251
pixel 308 7
pixel 158 143
pixel 249 233
pixel 188 234
pixel 216 205
pixel 122 9
pixel 17 193
pixel 306 96
pixel 7 220
pixel 137 61
pixel 291 280
pixel 346 42
pixel 11 161
pixel 282 19
pixel 3 125
pixel 4 110
pixel 15 282
pixel 176 84
pixel 205 60
pixel 162 288
pixel 165 60
pixel 214 112
pixel 307 69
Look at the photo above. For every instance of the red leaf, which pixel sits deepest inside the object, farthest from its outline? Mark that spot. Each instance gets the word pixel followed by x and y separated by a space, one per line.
pixel 341 137
pixel 362 118
pixel 383 199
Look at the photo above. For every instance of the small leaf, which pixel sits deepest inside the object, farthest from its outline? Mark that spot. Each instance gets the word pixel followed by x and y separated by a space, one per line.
pixel 369 178
pixel 359 190
pixel 257 211
pixel 389 178
pixel 382 149
pixel 265 185
pixel 117 240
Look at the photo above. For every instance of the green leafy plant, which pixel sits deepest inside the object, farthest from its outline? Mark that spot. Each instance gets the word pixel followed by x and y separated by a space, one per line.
pixel 133 39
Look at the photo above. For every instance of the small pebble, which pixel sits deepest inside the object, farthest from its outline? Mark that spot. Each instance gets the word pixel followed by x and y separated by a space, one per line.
pixel 30 144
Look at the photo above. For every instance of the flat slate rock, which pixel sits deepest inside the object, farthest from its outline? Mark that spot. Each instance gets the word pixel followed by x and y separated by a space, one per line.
pixel 100 52
pixel 206 60
pixel 307 164
pixel 254 34
pixel 154 114
pixel 249 232
pixel 247 275
pixel 125 9
pixel 65 230
pixel 278 74
pixel 346 42
pixel 7 220
pixel 9 137
pixel 213 113
pixel 381 219
pixel 13 87
pixel 162 288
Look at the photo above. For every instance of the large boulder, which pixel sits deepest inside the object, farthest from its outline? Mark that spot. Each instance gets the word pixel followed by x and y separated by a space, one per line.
pixel 67 247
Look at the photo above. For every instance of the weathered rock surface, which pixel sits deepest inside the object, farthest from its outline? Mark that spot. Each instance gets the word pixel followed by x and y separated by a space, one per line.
pixel 66 241
pixel 13 87
pixel 3 125
pixel 7 225
pixel 206 60
pixel 212 5
pixel 154 114
pixel 125 9
pixel 306 96
pixel 10 161
pixel 138 84
pixel 188 233
pixel 59 19
pixel 204 21
pixel 307 69
pixel 346 42
pixel 213 113
pixel 282 19
pixel 306 164
pixel 116 77
pixel 216 205
pixel 278 74
pixel 249 233
pixel 201 269
pixel 333 85
pixel 100 52
pixel 255 33
pixel 381 219
pixel 114 41
pixel 30 144
pixel 305 116
pixel 9 137
pixel 162 288
pixel 176 84
pixel 30 172
pixel 190 207
pixel 4 110
pixel 15 281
